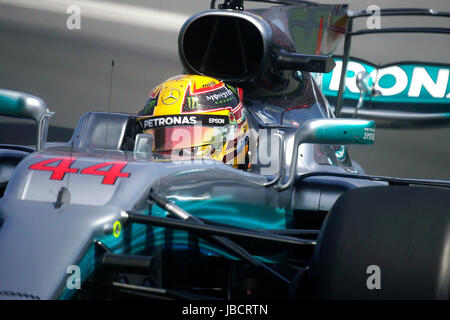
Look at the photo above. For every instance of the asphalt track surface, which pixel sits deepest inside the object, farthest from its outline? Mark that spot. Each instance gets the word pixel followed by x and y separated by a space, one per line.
pixel 70 70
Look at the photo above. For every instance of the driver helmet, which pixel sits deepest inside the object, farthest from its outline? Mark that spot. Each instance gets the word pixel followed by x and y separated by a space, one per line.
pixel 197 116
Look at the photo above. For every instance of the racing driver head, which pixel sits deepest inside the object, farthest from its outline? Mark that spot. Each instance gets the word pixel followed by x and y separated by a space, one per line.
pixel 197 116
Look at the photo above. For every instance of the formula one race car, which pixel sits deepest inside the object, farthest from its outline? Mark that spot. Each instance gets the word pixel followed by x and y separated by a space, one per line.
pixel 279 211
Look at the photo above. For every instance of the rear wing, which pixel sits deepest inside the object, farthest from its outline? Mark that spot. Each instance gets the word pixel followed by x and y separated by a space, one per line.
pixel 407 93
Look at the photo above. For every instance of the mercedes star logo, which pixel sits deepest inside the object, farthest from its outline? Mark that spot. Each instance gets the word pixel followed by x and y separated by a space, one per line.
pixel 171 96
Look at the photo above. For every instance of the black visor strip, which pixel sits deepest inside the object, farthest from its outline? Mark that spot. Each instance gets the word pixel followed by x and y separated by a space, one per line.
pixel 184 120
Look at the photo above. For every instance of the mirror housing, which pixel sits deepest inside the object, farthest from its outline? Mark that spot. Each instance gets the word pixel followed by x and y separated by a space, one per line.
pixel 328 131
pixel 21 105
pixel 304 62
pixel 143 146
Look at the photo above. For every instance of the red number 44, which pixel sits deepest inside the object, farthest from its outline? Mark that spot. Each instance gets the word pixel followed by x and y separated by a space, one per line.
pixel 111 170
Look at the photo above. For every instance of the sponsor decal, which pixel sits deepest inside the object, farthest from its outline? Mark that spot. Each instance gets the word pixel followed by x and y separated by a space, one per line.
pixel 150 107
pixel 219 96
pixel 232 89
pixel 184 120
pixel 209 84
pixel 403 82
pixel 117 228
pixel 223 101
pixel 191 104
pixel 222 97
pixel 167 121
pixel 220 121
pixel 171 96
pixel 369 134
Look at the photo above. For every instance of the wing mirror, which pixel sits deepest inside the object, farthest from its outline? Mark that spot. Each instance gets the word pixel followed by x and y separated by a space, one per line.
pixel 326 131
pixel 304 62
pixel 143 146
pixel 21 105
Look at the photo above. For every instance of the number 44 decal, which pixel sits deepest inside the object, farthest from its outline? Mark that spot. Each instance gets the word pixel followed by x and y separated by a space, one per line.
pixel 111 170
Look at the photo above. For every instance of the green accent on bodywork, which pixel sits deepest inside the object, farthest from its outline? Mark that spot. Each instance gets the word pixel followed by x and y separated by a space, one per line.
pixel 221 210
pixel 348 132
pixel 224 210
pixel 11 103
pixel 341 153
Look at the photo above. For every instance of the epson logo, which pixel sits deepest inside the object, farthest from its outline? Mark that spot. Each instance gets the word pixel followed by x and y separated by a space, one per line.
pixel 216 121
pixel 403 80
pixel 169 121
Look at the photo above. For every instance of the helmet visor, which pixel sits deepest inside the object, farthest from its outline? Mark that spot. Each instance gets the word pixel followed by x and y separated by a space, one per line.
pixel 176 138
pixel 186 131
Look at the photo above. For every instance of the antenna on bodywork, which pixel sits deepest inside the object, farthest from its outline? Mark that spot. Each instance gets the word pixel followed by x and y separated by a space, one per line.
pixel 63 196
pixel 109 102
